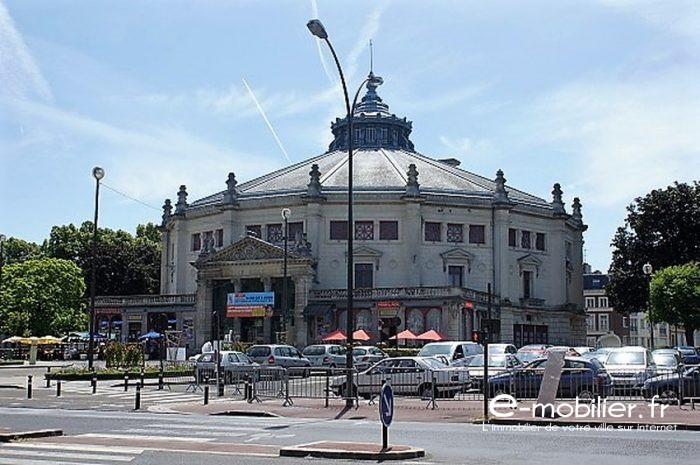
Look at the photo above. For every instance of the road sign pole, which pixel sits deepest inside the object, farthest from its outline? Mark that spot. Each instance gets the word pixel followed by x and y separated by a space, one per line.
pixel 386 412
pixel 385 437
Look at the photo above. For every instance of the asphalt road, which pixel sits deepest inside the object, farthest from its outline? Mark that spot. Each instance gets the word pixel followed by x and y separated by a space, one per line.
pixel 118 437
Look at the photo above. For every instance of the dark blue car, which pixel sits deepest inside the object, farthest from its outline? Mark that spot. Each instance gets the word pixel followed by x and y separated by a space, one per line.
pixel 672 387
pixel 580 377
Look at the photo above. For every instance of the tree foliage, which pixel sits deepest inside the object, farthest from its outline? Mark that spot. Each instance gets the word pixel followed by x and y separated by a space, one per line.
pixel 17 250
pixel 662 228
pixel 42 296
pixel 675 297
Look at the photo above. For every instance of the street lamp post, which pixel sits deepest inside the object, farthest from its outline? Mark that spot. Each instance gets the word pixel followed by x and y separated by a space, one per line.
pixel 285 306
pixel 647 269
pixel 98 173
pixel 2 255
pixel 317 29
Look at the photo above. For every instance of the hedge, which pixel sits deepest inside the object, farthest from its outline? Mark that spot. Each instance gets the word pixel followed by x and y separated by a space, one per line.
pixel 83 374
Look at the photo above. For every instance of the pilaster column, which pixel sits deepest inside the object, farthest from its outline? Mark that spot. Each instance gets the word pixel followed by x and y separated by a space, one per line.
pixel 267 321
pixel 501 254
pixel 203 310
pixel 411 235
pixel 300 331
pixel 236 321
pixel 314 227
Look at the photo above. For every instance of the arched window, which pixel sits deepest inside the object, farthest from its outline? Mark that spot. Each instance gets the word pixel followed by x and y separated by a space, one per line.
pixel 414 321
pixel 432 319
pixel 342 320
pixel 363 320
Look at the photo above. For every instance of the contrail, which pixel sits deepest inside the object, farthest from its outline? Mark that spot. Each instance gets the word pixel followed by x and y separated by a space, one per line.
pixel 267 121
pixel 329 75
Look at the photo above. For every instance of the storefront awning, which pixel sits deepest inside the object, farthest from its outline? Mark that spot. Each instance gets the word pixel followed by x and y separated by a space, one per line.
pixel 321 310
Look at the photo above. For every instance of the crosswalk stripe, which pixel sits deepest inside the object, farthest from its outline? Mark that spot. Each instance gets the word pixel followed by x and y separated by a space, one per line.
pixel 75 447
pixel 146 437
pixel 193 433
pixel 67 455
pixel 207 427
pixel 18 461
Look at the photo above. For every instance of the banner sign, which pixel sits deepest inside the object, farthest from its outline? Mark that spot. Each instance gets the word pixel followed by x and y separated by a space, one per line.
pixel 469 305
pixel 250 304
pixel 388 304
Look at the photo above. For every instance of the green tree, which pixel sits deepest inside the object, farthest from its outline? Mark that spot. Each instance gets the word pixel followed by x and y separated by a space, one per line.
pixel 42 296
pixel 675 297
pixel 662 228
pixel 125 265
pixel 18 250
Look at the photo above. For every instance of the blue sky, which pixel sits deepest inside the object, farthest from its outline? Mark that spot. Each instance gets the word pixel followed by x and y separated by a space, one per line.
pixel 601 96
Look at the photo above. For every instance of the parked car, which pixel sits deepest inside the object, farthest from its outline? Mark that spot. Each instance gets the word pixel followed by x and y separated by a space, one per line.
pixel 600 354
pixel 584 349
pixel 527 357
pixel 278 355
pixel 326 355
pixel 534 349
pixel 451 350
pixel 234 365
pixel 567 351
pixel 502 349
pixel 580 377
pixel 498 363
pixel 629 367
pixel 408 376
pixel 671 387
pixel 689 356
pixel 366 356
pixel 666 360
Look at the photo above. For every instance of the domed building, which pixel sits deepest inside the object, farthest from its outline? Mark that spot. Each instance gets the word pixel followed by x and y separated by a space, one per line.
pixel 429 239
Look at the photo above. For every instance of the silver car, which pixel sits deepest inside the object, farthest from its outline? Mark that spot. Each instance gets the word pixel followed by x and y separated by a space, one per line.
pixel 278 355
pixel 326 355
pixel 408 376
pixel 366 356
pixel 629 367
pixel 234 365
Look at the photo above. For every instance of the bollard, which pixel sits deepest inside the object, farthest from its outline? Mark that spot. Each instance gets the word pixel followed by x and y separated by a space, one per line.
pixel 94 384
pixel 328 389
pixel 160 380
pixel 142 375
pixel 220 389
pixel 29 386
pixel 206 394
pixel 137 400
pixel 126 382
pixel 48 379
pixel 58 388
pixel 247 392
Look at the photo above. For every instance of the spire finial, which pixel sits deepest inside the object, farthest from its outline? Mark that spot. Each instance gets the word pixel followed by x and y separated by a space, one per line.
pixel 371 57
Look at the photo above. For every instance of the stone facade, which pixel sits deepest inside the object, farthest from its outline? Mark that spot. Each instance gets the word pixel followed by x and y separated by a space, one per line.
pixel 429 238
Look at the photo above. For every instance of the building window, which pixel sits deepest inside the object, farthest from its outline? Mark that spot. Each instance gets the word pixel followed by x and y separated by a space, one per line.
pixel 662 329
pixel 569 250
pixel 295 229
pixel 364 230
pixel 389 230
pixel 590 323
pixel 364 275
pixel 208 238
pixel 524 334
pixel 455 232
pixel 477 234
pixel 275 235
pixel 433 319
pixel 603 302
pixel 539 241
pixel 339 230
pixel 433 231
pixel 512 237
pixel 527 284
pixel 219 237
pixel 525 239
pixel 254 230
pixel 625 322
pixel 196 241
pixel 414 321
pixel 590 302
pixel 603 322
pixel 455 276
pixel 371 135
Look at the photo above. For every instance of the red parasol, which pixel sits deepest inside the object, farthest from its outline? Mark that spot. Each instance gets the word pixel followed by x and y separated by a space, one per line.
pixel 431 335
pixel 405 335
pixel 336 335
pixel 360 335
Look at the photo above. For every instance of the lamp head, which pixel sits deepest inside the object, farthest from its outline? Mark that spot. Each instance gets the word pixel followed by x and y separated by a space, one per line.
pixel 647 268
pixel 98 173
pixel 317 29
pixel 286 213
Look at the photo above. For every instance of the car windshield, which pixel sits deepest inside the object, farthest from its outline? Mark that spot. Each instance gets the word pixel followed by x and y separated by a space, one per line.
pixel 359 351
pixel 314 350
pixel 494 361
pixel 667 360
pixel 260 351
pixel 527 357
pixel 434 363
pixel 625 358
pixel 435 349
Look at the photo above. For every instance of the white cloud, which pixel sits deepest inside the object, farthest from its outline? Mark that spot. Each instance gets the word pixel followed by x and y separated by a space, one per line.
pixel 369 31
pixel 20 76
pixel 681 17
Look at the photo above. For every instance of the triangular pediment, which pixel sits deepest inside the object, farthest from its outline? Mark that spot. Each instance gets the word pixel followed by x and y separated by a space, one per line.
pixel 457 254
pixel 366 252
pixel 529 259
pixel 246 250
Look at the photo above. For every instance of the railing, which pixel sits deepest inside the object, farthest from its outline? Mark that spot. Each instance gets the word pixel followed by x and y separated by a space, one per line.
pixel 140 300
pixel 382 293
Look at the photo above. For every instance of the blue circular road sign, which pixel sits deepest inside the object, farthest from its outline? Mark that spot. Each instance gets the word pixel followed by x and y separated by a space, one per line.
pixel 386 405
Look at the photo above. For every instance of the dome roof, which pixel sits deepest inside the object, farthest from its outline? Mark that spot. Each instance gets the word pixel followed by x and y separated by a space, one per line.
pixel 382 155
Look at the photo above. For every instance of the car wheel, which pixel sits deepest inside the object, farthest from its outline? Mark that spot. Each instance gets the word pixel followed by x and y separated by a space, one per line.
pixel 426 391
pixel 586 395
pixel 668 395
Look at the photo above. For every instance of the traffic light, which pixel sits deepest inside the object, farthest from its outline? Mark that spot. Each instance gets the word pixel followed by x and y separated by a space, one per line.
pixel 476 337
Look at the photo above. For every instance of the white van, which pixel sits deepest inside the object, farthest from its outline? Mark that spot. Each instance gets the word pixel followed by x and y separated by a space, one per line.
pixel 451 350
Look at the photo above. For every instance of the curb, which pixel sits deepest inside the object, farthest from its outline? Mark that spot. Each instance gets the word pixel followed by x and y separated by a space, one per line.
pixel 312 450
pixel 592 424
pixel 42 433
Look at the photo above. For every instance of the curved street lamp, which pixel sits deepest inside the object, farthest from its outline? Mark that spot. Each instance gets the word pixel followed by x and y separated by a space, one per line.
pixel 647 269
pixel 98 173
pixel 286 213
pixel 316 28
